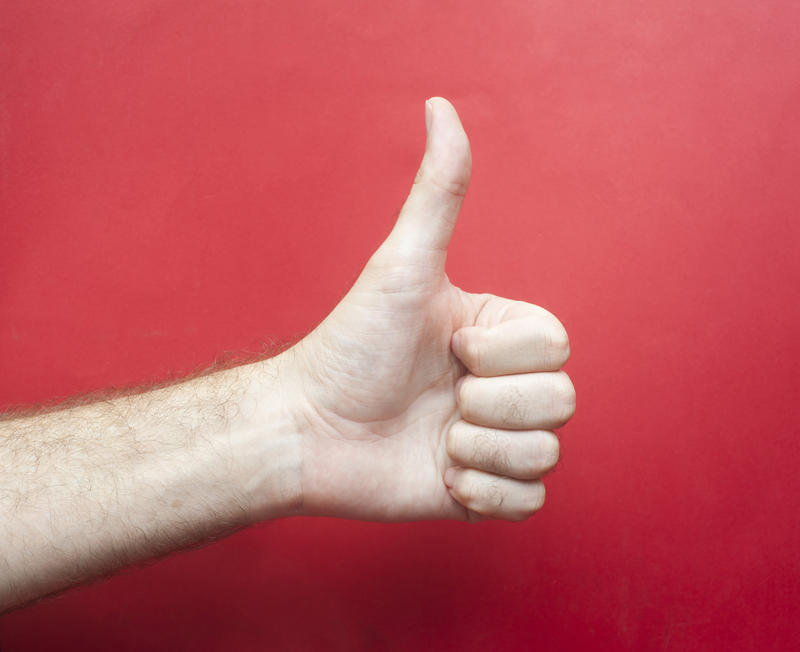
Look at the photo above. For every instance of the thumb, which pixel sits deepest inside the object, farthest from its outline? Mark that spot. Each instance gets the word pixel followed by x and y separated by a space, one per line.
pixel 429 214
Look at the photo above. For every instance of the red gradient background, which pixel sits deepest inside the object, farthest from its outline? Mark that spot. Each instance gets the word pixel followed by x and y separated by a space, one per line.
pixel 180 179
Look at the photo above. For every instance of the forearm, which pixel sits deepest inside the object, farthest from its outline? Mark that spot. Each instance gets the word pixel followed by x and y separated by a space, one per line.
pixel 93 488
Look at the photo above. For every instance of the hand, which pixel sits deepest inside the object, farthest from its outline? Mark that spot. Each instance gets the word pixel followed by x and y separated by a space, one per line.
pixel 411 400
pixel 415 399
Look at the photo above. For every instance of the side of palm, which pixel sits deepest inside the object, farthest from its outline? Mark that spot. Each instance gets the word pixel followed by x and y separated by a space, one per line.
pixel 380 380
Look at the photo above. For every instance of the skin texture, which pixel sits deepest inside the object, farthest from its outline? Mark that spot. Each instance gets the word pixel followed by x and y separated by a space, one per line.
pixel 410 376
pixel 412 400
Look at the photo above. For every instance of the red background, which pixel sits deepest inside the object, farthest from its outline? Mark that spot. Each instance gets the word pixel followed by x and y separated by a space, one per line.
pixel 181 179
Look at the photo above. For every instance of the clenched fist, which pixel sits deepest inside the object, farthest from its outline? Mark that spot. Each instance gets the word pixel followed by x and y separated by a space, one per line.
pixel 415 399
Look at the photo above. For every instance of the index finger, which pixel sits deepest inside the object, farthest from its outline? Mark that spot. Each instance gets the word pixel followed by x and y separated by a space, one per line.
pixel 536 342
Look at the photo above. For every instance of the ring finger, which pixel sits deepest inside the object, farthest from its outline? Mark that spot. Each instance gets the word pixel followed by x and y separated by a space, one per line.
pixel 521 454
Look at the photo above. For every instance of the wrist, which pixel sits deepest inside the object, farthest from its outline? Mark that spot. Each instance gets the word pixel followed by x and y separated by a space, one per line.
pixel 266 442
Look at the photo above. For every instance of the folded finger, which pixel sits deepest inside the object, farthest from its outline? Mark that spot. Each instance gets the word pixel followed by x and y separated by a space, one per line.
pixel 535 342
pixel 494 496
pixel 519 401
pixel 521 454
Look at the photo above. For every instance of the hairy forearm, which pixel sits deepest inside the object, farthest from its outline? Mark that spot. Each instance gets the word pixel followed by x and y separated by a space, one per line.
pixel 92 488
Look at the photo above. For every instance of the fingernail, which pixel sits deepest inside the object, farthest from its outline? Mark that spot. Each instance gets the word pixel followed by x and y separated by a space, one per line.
pixel 457 387
pixel 449 476
pixel 428 115
pixel 455 343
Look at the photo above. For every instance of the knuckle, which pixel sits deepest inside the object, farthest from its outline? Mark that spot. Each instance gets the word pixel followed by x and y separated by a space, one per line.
pixel 558 342
pixel 536 499
pixel 548 451
pixel 529 467
pixel 532 504
pixel 443 178
pixel 541 456
pixel 564 397
pixel 490 453
pixel 491 495
pixel 456 186
pixel 513 406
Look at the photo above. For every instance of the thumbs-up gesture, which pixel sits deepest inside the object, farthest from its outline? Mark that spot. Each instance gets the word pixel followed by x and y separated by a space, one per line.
pixel 415 399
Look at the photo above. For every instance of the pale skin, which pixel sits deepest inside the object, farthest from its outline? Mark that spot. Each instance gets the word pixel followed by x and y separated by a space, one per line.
pixel 412 400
